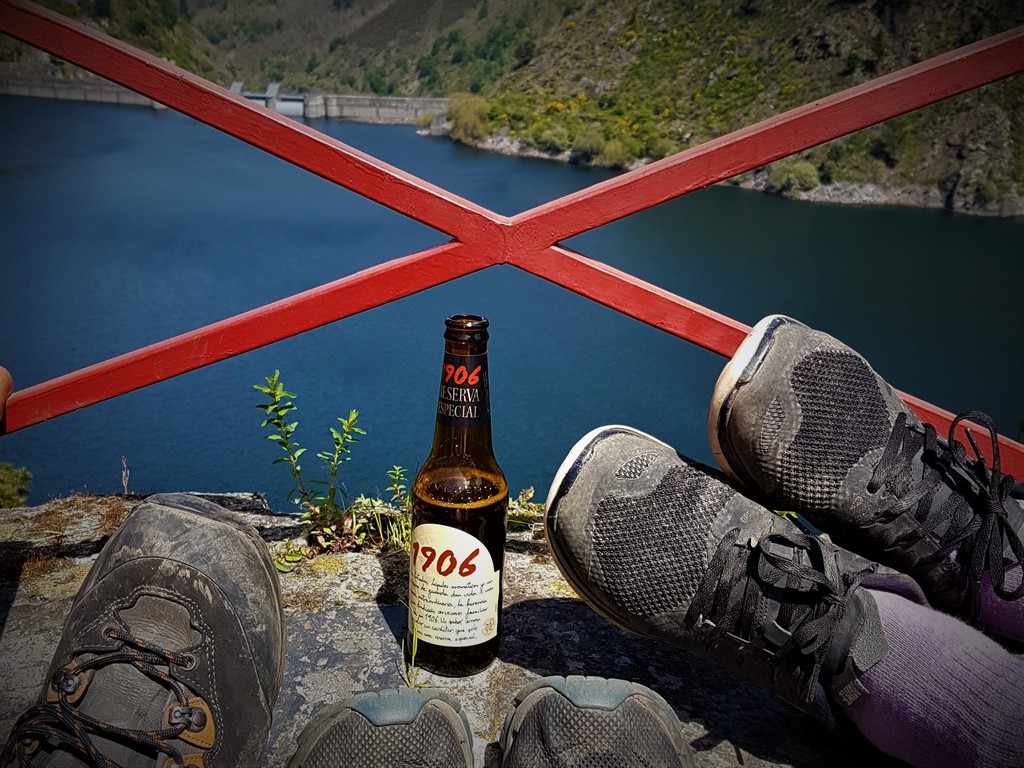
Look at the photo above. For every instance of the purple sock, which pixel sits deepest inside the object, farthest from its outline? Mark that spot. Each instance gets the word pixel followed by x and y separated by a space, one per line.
pixel 1003 617
pixel 944 694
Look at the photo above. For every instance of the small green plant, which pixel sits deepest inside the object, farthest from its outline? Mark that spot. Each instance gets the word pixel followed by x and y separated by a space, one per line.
pixel 394 523
pixel 288 554
pixel 399 491
pixel 125 474
pixel 335 522
pixel 323 508
pixel 326 510
pixel 523 514
pixel 380 525
pixel 409 671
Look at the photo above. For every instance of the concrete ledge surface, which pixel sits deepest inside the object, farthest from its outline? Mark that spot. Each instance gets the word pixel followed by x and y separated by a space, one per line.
pixel 345 620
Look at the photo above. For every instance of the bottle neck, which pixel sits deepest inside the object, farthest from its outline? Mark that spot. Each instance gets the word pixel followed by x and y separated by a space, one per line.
pixel 463 425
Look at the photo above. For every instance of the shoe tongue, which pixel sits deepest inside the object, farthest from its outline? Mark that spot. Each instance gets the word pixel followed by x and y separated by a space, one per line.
pixel 161 622
pixel 942 495
pixel 122 696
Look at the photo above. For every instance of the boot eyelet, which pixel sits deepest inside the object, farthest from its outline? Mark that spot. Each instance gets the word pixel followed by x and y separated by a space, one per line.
pixel 65 682
pixel 191 662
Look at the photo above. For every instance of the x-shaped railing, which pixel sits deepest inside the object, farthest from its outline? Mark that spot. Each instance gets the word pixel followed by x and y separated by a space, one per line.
pixel 480 238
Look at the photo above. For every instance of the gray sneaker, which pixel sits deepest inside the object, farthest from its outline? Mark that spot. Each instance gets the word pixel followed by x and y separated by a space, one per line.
pixel 559 722
pixel 804 424
pixel 664 547
pixel 403 728
pixel 172 653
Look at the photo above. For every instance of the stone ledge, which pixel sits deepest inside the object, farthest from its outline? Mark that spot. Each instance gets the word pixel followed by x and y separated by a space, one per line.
pixel 80 524
pixel 344 624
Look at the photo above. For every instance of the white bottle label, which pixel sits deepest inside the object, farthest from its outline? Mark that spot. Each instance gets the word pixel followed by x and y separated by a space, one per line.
pixel 453 587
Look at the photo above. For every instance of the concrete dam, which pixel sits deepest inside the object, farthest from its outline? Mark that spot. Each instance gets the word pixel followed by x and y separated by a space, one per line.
pixel 360 108
pixel 81 86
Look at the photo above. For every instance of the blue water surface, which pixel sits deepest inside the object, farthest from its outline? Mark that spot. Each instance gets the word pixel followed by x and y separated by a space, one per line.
pixel 124 226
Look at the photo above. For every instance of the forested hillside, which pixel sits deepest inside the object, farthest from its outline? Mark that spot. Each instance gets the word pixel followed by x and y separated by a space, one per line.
pixel 615 82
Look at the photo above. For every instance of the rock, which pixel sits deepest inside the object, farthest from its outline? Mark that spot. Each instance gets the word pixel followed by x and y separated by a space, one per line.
pixel 79 525
pixel 345 621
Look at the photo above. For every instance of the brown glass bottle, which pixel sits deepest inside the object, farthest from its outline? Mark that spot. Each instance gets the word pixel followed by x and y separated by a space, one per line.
pixel 460 502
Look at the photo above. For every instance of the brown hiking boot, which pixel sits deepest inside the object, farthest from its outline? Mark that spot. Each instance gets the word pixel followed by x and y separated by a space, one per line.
pixel 172 653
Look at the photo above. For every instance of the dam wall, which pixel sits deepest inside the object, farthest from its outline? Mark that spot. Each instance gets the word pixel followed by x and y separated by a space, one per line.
pixel 73 89
pixel 81 86
pixel 374 109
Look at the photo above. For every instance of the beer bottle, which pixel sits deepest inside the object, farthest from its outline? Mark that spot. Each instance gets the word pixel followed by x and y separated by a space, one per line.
pixel 460 502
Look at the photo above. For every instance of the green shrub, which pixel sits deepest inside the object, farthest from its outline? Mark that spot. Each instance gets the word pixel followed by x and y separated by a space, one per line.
pixel 588 144
pixel 554 138
pixel 469 116
pixel 378 82
pixel 273 68
pixel 15 485
pixel 789 176
pixel 615 155
pixel 252 29
pixel 662 147
pixel 215 31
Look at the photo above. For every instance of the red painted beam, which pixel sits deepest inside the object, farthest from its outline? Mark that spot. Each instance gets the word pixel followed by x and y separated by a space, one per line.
pixel 257 328
pixel 523 240
pixel 1011 453
pixel 235 115
pixel 699 325
pixel 634 297
pixel 722 158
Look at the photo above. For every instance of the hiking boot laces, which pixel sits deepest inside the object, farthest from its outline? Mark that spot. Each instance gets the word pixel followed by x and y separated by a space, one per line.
pixel 749 580
pixel 64 723
pixel 977 528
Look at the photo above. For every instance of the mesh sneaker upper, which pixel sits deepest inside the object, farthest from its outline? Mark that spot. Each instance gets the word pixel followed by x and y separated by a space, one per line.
pixel 670 526
pixel 806 424
pixel 676 553
pixel 842 418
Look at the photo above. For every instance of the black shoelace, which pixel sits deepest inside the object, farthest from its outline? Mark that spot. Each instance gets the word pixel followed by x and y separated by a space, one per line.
pixel 62 722
pixel 978 527
pixel 808 601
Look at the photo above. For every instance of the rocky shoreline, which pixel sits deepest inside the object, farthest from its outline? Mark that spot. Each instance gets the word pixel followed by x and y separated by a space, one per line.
pixel 40 80
pixel 844 193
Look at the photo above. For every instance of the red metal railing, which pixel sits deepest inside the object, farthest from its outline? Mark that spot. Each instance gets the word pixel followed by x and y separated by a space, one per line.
pixel 481 238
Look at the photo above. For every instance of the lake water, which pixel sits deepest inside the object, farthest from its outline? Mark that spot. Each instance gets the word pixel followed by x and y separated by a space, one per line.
pixel 120 227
